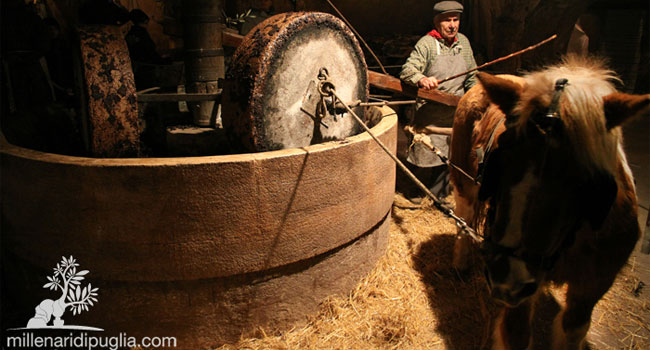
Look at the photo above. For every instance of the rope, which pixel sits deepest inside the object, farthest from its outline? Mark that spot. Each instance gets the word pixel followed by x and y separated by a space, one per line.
pixel 359 36
pixel 420 138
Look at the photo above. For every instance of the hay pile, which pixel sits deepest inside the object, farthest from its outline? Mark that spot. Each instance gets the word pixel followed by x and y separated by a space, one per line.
pixel 414 299
pixel 621 320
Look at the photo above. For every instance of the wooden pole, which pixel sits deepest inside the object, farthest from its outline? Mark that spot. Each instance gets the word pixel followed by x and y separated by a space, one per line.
pixel 460 222
pixel 499 59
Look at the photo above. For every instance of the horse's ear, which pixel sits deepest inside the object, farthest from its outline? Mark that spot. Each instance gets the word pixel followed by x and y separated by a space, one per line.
pixel 599 194
pixel 620 107
pixel 502 92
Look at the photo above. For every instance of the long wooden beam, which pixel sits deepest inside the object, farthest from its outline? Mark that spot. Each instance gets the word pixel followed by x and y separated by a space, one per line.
pixel 378 80
pixel 393 84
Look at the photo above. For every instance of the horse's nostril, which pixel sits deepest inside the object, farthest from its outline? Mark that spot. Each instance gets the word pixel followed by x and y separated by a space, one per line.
pixel 528 289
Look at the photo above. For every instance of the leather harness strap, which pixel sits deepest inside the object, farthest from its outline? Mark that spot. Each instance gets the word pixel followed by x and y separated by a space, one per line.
pixel 545 262
pixel 483 154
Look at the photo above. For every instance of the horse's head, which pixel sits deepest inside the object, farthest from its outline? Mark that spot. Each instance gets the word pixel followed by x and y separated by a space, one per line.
pixel 552 172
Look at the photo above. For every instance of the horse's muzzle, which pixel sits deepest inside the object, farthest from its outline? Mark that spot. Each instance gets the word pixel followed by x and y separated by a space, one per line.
pixel 508 293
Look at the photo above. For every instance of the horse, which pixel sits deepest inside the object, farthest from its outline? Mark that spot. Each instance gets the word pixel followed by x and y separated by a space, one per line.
pixel 549 189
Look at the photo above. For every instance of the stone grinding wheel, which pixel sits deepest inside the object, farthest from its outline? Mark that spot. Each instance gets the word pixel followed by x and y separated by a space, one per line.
pixel 271 72
pixel 108 93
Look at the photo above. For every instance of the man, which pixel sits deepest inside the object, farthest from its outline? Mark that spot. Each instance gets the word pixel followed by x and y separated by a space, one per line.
pixel 441 53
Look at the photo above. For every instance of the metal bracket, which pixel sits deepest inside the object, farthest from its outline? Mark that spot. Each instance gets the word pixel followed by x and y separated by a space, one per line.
pixel 311 103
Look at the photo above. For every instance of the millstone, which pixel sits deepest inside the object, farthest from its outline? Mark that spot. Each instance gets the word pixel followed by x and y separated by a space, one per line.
pixel 276 67
pixel 109 105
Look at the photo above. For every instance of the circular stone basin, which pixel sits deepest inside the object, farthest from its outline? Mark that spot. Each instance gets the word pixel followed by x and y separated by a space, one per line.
pixel 204 249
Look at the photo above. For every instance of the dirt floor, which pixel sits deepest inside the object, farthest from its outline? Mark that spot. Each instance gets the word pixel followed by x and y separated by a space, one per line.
pixel 414 299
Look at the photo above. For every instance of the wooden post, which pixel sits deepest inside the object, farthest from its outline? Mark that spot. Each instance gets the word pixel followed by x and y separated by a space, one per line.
pixel 204 56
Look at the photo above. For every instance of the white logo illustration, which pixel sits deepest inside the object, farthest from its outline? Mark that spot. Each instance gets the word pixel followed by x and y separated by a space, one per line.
pixel 73 296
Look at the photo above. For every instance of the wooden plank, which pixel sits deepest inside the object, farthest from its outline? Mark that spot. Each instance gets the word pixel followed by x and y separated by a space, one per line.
pixel 393 84
pixel 378 80
pixel 231 39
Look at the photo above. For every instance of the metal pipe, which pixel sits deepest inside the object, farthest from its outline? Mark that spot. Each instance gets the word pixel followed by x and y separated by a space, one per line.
pixel 387 103
pixel 382 103
pixel 390 66
pixel 175 97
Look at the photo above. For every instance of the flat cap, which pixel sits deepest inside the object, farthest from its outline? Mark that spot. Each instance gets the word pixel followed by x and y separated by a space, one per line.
pixel 447 6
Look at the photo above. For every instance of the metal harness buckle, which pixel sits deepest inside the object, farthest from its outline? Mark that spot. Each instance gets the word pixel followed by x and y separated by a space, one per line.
pixel 560 84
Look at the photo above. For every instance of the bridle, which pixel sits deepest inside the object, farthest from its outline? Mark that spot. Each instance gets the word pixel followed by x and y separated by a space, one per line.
pixel 552 116
pixel 545 123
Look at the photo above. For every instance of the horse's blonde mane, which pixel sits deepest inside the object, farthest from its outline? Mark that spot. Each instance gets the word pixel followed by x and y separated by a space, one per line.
pixel 581 107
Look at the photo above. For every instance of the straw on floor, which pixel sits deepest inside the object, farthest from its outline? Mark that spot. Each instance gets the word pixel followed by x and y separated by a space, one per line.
pixel 414 299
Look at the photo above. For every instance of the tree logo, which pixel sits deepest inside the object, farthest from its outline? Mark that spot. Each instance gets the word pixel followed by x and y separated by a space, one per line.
pixel 74 297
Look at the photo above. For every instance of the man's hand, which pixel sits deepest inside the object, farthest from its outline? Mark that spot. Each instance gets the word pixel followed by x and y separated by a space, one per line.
pixel 428 83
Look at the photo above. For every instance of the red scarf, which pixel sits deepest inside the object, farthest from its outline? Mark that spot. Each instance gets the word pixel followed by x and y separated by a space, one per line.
pixel 434 33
